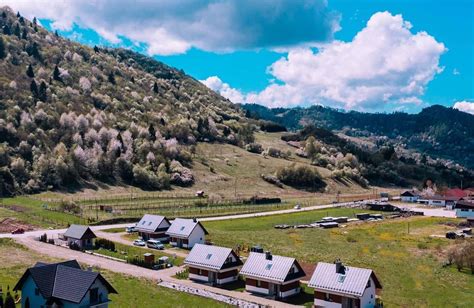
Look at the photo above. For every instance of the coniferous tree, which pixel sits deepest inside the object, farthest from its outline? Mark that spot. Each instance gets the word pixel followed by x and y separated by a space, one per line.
pixel 6 30
pixel 34 21
pixel 3 52
pixel 34 89
pixel 96 49
pixel 152 132
pixel 4 15
pixel 111 78
pixel 24 34
pixel 132 79
pixel 57 74
pixel 18 14
pixel 22 20
pixel 42 95
pixel 155 87
pixel 29 72
pixel 17 31
pixel 35 28
pixel 35 52
pixel 56 33
pixel 9 301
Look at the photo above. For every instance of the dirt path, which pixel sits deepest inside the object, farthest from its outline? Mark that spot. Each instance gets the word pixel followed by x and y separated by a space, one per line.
pixel 136 271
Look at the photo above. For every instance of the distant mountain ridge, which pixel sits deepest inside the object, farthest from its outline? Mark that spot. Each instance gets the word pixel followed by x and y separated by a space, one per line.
pixel 437 131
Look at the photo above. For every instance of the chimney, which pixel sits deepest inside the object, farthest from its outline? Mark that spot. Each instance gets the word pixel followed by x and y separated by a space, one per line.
pixel 268 255
pixel 194 219
pixel 340 269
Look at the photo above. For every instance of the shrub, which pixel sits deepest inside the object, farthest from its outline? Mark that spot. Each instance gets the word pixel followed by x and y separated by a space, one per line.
pixel 254 148
pixel 105 244
pixel 69 207
pixel 301 177
pixel 272 180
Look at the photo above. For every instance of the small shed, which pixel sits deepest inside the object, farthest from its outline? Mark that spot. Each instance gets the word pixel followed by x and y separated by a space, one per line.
pixel 80 236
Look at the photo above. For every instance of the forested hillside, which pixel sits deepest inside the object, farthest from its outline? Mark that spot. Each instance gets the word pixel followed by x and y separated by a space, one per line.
pixel 70 114
pixel 436 131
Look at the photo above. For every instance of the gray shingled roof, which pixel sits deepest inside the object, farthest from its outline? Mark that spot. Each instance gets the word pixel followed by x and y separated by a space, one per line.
pixel 355 281
pixel 276 269
pixel 65 280
pixel 183 227
pixel 150 223
pixel 79 232
pixel 208 256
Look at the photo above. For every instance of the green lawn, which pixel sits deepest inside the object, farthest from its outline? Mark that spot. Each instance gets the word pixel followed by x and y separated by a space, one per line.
pixel 132 292
pixel 126 251
pixel 409 265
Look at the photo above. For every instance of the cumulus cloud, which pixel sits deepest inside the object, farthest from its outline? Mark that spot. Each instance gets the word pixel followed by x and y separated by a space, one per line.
pixel 465 106
pixel 385 63
pixel 174 26
pixel 216 84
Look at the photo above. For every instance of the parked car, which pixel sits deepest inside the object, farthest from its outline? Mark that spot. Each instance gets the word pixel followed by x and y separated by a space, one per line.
pixel 139 243
pixel 131 229
pixel 297 207
pixel 18 231
pixel 155 244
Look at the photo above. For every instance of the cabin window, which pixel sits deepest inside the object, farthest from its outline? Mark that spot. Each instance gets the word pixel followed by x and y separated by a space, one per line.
pixel 229 259
pixel 259 283
pixel 94 295
pixel 37 291
pixel 292 270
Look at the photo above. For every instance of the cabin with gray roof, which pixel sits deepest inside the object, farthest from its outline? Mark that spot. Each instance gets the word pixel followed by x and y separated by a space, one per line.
pixel 339 286
pixel 63 284
pixel 272 275
pixel 185 233
pixel 213 264
pixel 82 236
pixel 153 227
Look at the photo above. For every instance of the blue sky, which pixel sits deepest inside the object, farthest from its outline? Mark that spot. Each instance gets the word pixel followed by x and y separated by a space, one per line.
pixel 294 57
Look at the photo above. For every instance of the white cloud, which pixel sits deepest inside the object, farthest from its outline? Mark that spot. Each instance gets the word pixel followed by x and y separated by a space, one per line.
pixel 456 72
pixel 385 63
pixel 174 26
pixel 465 106
pixel 216 84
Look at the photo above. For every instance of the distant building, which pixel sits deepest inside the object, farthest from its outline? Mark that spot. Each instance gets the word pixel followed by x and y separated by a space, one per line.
pixel 272 275
pixel 82 236
pixel 456 193
pixel 63 284
pixel 409 196
pixel 439 201
pixel 213 264
pixel 153 227
pixel 185 233
pixel 464 209
pixel 336 285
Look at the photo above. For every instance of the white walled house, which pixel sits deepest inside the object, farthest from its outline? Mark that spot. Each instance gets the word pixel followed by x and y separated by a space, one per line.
pixel 339 286
pixel 185 233
pixel 464 209
pixel 153 227
pixel 409 196
pixel 271 275
pixel 80 236
pixel 213 264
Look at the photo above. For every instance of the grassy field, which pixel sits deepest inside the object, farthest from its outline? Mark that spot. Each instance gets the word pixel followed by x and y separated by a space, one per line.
pixel 125 252
pixel 133 292
pixel 408 264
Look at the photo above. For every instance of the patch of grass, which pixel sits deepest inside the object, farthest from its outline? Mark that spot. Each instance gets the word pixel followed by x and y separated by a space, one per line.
pixel 409 265
pixel 114 230
pixel 125 252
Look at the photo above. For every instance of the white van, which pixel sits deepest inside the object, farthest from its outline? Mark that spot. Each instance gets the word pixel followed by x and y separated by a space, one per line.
pixel 155 244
